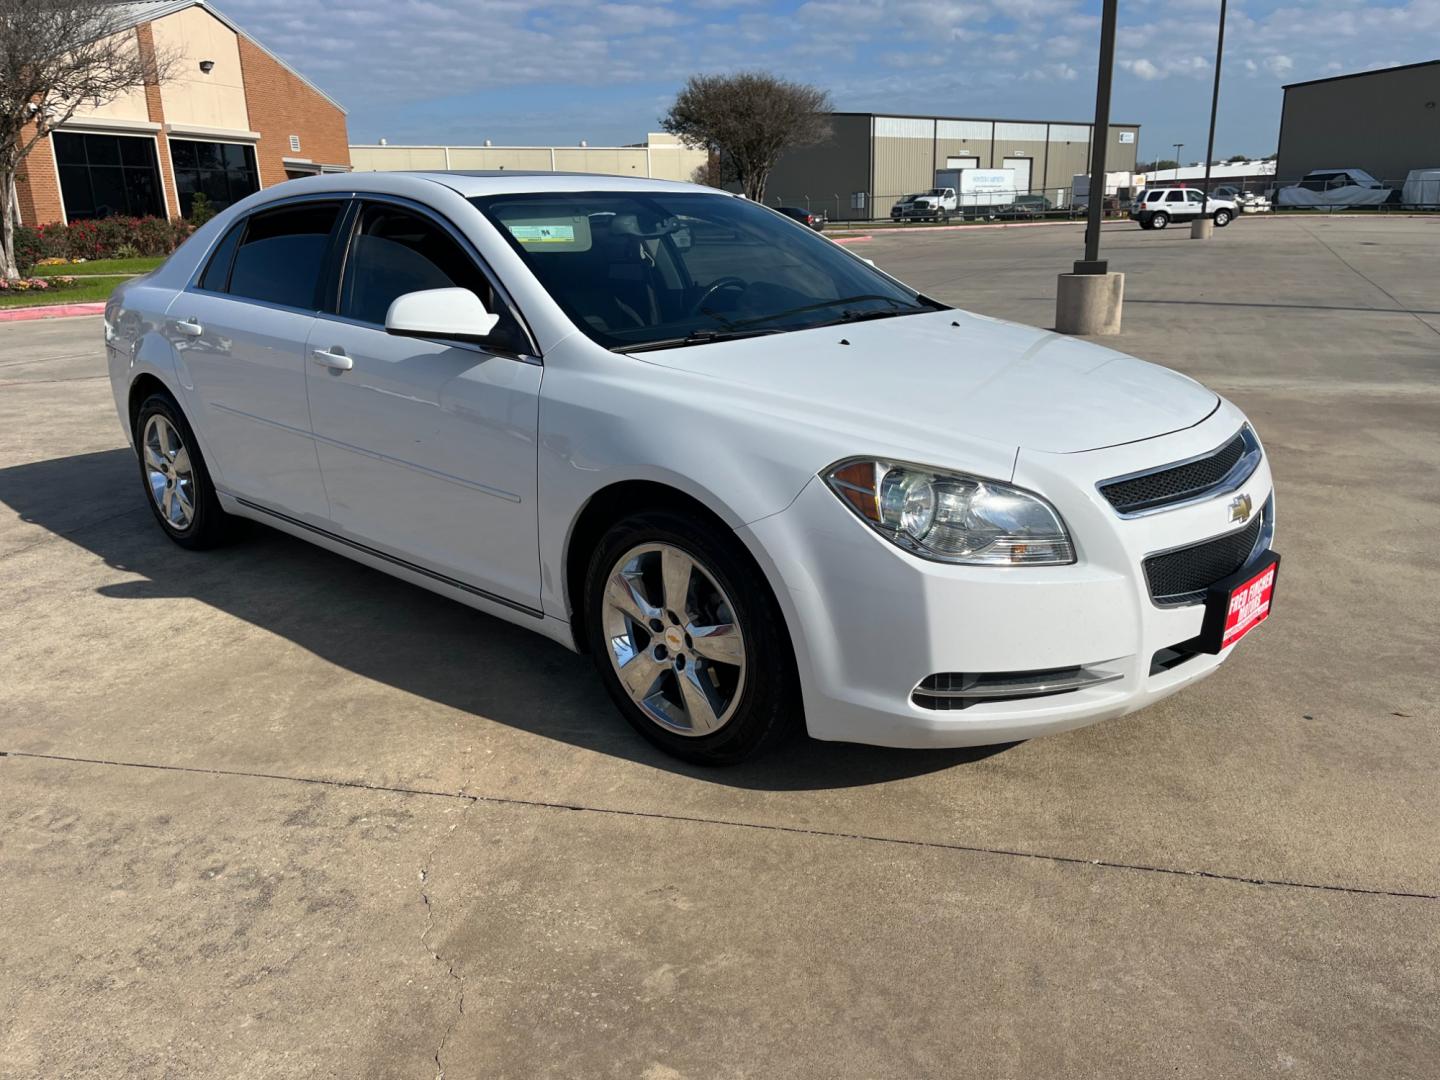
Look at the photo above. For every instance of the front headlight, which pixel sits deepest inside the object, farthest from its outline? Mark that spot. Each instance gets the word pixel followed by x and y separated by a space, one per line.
pixel 951 517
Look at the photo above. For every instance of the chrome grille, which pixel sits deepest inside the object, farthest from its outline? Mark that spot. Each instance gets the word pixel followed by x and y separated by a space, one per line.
pixel 1187 481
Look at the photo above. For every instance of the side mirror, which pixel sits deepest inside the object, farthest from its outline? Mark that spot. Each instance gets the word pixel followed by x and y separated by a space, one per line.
pixel 445 313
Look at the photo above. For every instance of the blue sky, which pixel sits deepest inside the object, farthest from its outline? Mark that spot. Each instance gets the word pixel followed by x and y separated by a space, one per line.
pixel 515 71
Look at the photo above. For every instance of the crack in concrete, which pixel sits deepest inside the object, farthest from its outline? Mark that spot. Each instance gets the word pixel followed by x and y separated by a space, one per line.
pixel 449 967
pixel 794 830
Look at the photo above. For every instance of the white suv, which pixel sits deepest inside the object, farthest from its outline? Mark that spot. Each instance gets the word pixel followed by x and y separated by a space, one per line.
pixel 1154 208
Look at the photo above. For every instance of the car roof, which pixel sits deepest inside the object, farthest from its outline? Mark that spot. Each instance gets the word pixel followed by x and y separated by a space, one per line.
pixel 500 182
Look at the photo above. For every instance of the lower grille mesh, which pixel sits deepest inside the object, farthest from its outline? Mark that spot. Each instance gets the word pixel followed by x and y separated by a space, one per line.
pixel 1181 577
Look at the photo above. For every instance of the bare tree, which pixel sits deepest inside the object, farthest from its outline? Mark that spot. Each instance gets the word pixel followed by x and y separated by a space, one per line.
pixel 55 57
pixel 746 121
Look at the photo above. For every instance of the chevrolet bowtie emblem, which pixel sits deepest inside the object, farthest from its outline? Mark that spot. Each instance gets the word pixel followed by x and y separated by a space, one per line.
pixel 1240 507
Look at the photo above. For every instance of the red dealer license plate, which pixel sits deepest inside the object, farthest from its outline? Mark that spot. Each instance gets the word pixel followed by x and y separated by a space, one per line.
pixel 1238 604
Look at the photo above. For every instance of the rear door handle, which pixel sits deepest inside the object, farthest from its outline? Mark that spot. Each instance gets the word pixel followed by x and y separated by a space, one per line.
pixel 332 360
pixel 188 328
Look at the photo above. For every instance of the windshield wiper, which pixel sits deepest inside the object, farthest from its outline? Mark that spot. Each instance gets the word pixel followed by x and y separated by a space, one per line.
pixel 695 337
pixel 896 306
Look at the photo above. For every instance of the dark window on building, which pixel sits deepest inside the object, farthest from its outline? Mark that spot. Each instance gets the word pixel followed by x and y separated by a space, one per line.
pixel 225 172
pixel 282 255
pixel 101 175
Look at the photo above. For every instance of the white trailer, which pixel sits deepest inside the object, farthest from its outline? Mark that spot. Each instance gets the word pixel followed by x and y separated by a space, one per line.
pixel 1114 182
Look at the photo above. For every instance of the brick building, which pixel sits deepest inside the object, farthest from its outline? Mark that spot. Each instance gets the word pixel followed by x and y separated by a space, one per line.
pixel 231 119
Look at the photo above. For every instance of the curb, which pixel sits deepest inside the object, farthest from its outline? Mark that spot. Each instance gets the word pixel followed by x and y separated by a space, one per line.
pixel 51 311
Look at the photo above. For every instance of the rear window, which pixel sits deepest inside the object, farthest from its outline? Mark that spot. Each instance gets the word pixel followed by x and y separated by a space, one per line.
pixel 282 255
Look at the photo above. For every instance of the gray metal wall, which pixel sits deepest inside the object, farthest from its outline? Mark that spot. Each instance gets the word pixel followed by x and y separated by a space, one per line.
pixel 1385 122
pixel 827 175
pixel 905 151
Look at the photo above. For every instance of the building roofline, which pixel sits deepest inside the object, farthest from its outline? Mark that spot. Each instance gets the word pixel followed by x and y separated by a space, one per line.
pixel 980 119
pixel 1362 74
pixel 147 11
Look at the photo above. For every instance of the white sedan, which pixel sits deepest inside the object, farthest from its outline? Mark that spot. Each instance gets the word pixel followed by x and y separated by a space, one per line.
pixel 765 485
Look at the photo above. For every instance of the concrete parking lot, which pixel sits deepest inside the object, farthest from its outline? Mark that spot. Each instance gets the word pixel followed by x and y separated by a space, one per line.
pixel 269 813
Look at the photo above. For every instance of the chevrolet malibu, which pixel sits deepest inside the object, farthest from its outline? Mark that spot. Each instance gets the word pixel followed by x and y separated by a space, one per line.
pixel 765 485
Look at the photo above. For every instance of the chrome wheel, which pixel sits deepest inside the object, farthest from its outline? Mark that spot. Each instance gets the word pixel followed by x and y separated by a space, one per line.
pixel 673 639
pixel 168 472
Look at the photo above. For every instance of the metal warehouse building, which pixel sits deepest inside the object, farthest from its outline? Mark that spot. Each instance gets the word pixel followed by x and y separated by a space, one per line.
pixel 869 161
pixel 1386 122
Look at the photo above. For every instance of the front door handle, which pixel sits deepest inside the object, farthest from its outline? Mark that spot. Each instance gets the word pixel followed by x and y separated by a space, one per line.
pixel 335 361
pixel 188 328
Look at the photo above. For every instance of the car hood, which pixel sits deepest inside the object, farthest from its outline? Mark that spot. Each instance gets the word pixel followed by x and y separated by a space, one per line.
pixel 955 373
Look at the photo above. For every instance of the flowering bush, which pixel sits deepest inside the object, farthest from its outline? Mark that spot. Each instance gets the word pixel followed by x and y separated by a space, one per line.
pixel 105 238
pixel 36 284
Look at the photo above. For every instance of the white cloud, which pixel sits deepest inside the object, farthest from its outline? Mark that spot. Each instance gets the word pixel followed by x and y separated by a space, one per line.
pixel 1141 68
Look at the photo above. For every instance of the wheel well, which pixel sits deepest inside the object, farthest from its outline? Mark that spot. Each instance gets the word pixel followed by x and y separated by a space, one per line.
pixel 615 503
pixel 141 389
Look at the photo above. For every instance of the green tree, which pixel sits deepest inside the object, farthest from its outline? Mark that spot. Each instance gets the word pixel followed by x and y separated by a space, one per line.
pixel 746 121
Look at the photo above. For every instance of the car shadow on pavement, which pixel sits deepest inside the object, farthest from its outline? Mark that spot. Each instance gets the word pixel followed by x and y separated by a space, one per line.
pixel 387 630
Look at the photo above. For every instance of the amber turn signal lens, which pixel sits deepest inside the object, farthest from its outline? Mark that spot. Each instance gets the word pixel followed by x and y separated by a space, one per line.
pixel 855 483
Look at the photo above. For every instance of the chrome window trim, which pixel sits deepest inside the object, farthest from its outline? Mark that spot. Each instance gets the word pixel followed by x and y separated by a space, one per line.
pixel 1239 473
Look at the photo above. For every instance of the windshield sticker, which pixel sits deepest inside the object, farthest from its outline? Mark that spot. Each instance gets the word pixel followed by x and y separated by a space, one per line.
pixel 543 234
pixel 550 232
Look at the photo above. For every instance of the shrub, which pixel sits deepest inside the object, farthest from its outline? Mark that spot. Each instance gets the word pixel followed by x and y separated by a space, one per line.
pixel 105 238
pixel 201 209
pixel 29 247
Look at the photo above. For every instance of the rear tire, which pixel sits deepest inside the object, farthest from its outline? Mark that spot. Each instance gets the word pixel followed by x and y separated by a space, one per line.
pixel 1159 220
pixel 656 580
pixel 177 483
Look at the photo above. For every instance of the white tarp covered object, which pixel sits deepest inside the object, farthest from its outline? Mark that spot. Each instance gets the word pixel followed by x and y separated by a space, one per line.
pixel 1334 187
pixel 1422 189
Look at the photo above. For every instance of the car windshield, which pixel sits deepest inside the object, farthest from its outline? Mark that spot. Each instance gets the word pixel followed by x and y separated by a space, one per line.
pixel 637 270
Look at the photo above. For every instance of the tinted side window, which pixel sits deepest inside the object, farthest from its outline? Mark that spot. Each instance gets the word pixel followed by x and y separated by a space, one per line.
pixel 217 271
pixel 283 253
pixel 1175 196
pixel 396 251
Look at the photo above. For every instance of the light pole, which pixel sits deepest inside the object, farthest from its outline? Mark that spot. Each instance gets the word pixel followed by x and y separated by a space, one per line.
pixel 1204 226
pixel 1088 300
pixel 1178 147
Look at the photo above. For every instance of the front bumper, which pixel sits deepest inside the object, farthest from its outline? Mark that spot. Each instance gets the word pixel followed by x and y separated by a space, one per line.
pixel 871 623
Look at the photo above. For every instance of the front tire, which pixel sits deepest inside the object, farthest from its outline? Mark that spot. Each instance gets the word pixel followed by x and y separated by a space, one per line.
pixel 1160 220
pixel 177 484
pixel 1222 218
pixel 688 640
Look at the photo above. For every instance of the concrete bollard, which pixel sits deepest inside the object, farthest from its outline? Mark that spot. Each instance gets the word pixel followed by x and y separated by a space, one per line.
pixel 1202 229
pixel 1089 303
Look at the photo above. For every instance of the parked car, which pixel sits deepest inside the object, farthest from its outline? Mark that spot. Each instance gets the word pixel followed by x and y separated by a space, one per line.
pixel 1025 206
pixel 937 204
pixel 1334 189
pixel 1006 533
pixel 1157 207
pixel 814 218
pixel 1246 202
